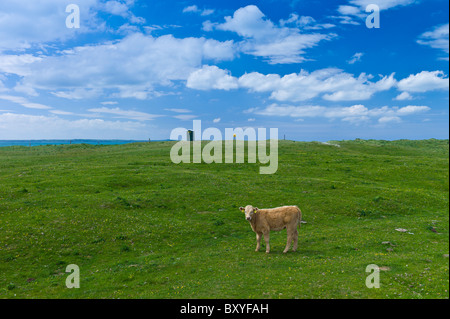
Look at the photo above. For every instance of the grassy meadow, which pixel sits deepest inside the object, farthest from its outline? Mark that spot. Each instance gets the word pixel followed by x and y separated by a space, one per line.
pixel 139 226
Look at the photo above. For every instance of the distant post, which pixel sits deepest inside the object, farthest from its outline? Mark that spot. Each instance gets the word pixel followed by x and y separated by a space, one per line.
pixel 190 135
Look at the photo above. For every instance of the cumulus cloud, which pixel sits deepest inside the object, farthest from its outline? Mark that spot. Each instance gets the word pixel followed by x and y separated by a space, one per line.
pixel 130 67
pixel 262 38
pixel 24 24
pixel 424 81
pixel 211 77
pixel 353 114
pixel 411 109
pixel 403 96
pixel 331 83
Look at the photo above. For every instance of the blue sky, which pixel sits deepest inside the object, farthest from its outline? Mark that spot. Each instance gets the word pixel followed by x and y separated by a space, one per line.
pixel 138 69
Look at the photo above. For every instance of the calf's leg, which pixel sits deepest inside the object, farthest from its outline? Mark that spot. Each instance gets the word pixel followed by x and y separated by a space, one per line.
pixel 294 248
pixel 258 241
pixel 266 239
pixel 288 243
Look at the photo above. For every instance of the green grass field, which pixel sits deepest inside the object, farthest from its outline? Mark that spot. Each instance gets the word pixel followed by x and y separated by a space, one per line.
pixel 139 226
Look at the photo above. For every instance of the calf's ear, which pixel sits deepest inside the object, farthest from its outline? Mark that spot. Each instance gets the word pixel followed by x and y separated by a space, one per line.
pixel 241 209
pixel 255 208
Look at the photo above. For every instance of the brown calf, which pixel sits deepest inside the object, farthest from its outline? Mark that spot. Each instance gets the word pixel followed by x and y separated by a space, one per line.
pixel 265 220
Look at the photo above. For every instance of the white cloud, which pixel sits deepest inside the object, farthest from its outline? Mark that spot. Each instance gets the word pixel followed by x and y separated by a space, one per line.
pixel 2 86
pixel 24 23
pixel 349 10
pixel 382 4
pixel 424 81
pixel 195 9
pixel 207 12
pixel 333 84
pixel 131 67
pixel 355 58
pixel 211 77
pixel 354 114
pixel 437 38
pixel 61 112
pixel 348 14
pixel 330 84
pixel 192 8
pixel 389 119
pixel 412 109
pixel 24 102
pixel 262 38
pixel 345 20
pixel 355 12
pixel 208 25
pixel 78 93
pixel 117 8
pixel 122 9
pixel 356 120
pixel 305 22
pixel 24 126
pixel 178 110
pixel 290 110
pixel 17 64
pixel 217 120
pixel 403 96
pixel 127 114
pixel 185 117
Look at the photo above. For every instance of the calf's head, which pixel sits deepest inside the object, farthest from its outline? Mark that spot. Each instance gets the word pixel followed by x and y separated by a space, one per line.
pixel 249 211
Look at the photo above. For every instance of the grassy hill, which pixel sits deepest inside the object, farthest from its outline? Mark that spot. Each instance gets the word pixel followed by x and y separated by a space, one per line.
pixel 139 226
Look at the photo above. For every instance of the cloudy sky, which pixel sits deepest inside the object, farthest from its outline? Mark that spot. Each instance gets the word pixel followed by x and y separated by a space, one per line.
pixel 137 69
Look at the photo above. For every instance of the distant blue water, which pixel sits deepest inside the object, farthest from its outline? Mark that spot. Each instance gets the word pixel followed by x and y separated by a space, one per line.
pixel 59 142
